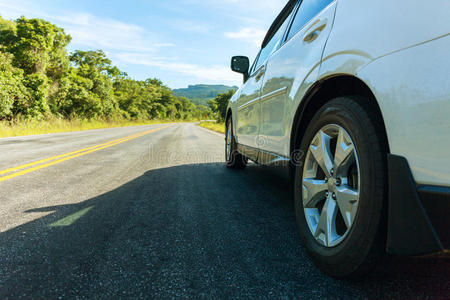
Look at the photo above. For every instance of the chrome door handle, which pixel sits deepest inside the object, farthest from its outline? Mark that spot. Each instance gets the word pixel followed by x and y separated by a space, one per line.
pixel 314 30
pixel 311 36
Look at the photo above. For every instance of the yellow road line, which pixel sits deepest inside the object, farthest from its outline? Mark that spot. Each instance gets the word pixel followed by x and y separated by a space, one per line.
pixel 70 155
pixel 52 158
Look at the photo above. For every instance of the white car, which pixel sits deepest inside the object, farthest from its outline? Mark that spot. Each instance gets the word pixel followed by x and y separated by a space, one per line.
pixel 354 98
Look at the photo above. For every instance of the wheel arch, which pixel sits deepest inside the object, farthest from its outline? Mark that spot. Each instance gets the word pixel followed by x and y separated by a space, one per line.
pixel 323 91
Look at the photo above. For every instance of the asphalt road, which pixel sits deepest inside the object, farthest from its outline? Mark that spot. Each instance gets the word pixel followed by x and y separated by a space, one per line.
pixel 159 216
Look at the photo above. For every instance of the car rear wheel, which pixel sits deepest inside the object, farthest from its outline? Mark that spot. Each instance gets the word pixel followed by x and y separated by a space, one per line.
pixel 233 159
pixel 340 188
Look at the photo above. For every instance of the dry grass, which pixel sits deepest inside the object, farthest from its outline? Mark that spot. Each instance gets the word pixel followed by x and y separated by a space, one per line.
pixel 31 127
pixel 219 127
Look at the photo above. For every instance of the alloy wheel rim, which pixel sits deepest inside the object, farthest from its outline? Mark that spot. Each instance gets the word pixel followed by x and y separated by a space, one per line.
pixel 331 185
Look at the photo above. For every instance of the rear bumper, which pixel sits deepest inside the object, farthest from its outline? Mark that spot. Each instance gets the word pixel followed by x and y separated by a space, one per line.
pixel 418 219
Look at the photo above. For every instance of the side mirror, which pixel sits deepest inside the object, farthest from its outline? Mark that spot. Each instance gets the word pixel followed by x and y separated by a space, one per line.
pixel 240 64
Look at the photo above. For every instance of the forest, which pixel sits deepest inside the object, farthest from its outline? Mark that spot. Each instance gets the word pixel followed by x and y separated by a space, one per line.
pixel 41 79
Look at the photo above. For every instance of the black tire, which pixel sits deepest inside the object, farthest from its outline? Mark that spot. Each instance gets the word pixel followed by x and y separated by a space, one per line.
pixel 234 160
pixel 364 244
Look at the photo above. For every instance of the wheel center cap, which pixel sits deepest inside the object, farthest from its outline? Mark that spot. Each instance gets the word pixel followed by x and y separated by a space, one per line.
pixel 331 184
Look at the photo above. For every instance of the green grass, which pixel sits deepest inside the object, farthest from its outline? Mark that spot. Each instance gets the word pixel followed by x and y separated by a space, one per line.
pixel 31 127
pixel 219 127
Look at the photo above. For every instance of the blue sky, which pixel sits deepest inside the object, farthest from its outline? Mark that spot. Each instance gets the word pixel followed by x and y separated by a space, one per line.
pixel 180 42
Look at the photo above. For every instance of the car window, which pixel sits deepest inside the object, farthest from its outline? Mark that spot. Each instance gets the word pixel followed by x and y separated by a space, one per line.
pixel 308 9
pixel 272 45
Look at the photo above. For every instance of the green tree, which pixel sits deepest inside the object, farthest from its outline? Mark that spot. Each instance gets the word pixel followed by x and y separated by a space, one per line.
pixel 93 72
pixel 130 96
pixel 39 49
pixel 38 46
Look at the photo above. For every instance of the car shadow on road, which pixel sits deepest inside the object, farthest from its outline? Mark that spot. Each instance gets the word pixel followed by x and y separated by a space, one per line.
pixel 198 231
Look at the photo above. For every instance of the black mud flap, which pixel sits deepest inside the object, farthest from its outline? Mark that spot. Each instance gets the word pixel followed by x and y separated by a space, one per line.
pixel 410 231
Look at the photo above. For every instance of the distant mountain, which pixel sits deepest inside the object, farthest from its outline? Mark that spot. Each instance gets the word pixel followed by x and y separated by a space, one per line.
pixel 200 94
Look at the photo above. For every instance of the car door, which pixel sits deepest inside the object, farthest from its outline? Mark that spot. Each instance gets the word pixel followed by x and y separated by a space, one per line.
pixel 248 106
pixel 248 103
pixel 292 67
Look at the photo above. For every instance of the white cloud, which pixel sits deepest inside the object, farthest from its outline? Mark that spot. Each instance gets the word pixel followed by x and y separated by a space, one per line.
pixel 91 31
pixel 254 36
pixel 88 30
